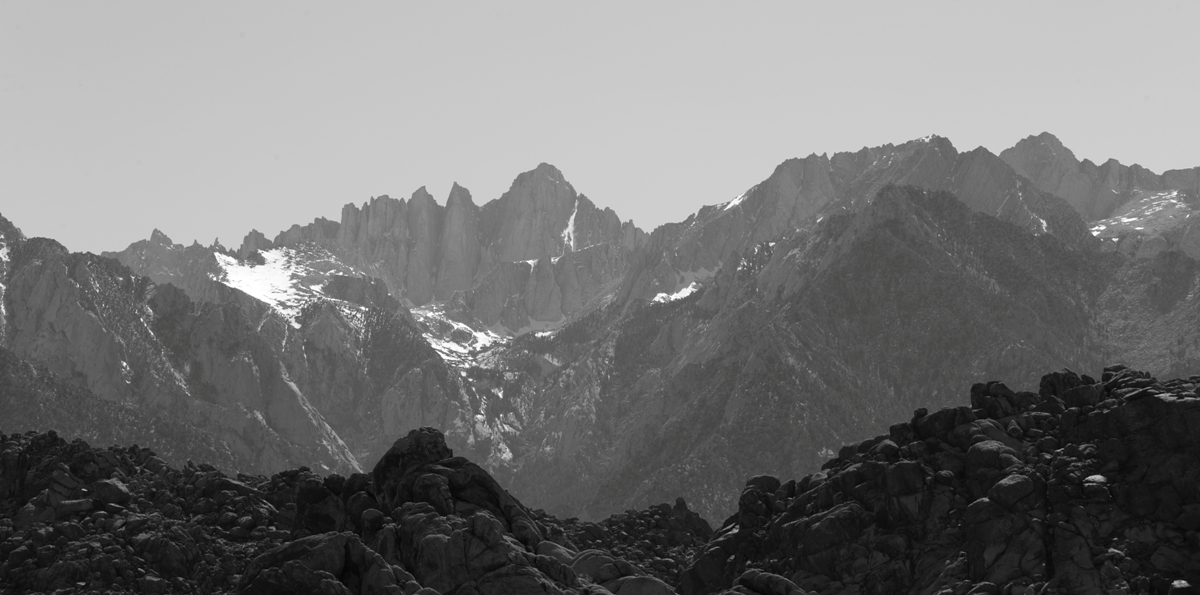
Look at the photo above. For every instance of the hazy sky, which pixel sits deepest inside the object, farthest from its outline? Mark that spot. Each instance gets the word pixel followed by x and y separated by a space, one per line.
pixel 209 119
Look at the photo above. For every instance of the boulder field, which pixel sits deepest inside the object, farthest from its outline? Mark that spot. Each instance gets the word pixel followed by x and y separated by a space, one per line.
pixel 1086 486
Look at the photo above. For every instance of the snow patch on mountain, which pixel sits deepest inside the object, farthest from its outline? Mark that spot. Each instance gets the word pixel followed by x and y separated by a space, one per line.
pixel 737 201
pixel 569 232
pixel 286 279
pixel 663 298
pixel 535 326
pixel 1148 213
pixel 3 273
pixel 457 342
pixel 274 281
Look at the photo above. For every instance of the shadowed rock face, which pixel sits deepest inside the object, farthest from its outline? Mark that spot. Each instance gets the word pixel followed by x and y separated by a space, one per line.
pixel 1082 486
pixel 134 344
pixel 451 528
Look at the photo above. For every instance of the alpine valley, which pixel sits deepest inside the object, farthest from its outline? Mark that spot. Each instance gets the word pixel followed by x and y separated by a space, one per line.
pixel 592 367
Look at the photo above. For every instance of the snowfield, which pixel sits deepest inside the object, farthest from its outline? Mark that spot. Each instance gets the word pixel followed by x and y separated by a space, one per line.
pixel 288 278
pixel 455 341
pixel 291 277
pixel 1147 214
pixel 689 289
pixel 278 282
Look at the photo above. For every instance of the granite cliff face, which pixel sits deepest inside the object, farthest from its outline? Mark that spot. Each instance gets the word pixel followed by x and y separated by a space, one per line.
pixel 427 252
pixel 460 250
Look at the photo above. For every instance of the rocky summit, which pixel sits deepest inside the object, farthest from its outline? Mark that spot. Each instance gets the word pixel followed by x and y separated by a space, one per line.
pixel 1085 486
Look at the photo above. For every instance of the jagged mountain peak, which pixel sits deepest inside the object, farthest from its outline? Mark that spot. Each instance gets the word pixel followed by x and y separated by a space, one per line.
pixel 933 139
pixel 160 238
pixel 458 194
pixel 549 170
pixel 10 233
pixel 1036 151
pixel 1047 139
pixel 423 195
pixel 543 174
pixel 1095 191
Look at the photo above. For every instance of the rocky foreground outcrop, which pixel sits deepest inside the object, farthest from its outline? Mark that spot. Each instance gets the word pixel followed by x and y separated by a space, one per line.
pixel 79 519
pixel 1083 487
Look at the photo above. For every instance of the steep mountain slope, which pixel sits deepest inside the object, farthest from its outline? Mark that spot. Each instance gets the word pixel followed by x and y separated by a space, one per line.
pixel 369 366
pixel 1150 311
pixel 1150 223
pixel 34 397
pixel 1095 191
pixel 531 258
pixel 806 342
pixel 1130 208
pixel 801 190
pixel 92 321
pixel 536 254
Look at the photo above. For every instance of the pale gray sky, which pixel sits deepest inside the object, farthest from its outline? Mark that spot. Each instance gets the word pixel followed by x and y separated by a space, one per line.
pixel 209 119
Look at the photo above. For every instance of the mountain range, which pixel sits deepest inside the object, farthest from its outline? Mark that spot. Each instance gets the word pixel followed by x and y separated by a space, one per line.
pixel 591 366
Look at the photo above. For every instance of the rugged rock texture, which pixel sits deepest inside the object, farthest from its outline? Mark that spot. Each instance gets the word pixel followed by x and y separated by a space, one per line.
pixel 1082 487
pixel 34 397
pixel 351 352
pixel 1150 223
pixel 121 520
pixel 1133 210
pixel 662 539
pixel 193 268
pixel 371 293
pixel 1095 191
pixel 427 252
pixel 11 239
pixel 459 252
pixel 528 221
pixel 803 343
pixel 91 321
pixel 253 242
pixel 818 186
pixel 798 314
